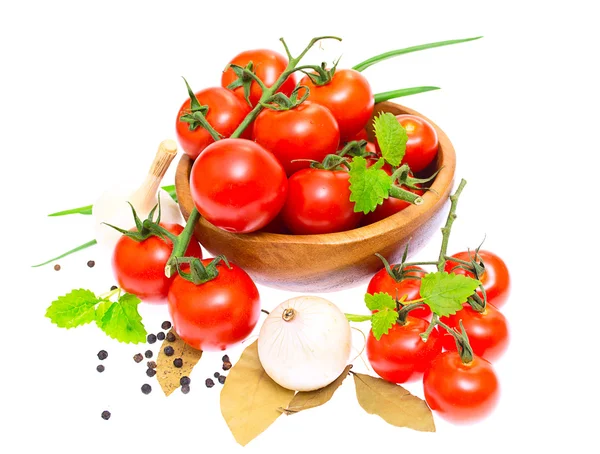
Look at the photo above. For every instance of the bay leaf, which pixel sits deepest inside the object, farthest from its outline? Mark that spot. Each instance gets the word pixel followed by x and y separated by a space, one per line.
pixel 250 399
pixel 393 403
pixel 167 374
pixel 304 400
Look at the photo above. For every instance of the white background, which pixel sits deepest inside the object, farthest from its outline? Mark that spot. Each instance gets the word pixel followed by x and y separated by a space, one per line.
pixel 88 90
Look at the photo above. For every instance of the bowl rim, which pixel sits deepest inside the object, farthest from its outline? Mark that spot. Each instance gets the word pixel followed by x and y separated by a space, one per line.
pixel 444 178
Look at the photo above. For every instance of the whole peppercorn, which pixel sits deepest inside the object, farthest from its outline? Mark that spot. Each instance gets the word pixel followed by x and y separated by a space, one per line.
pixel 150 372
pixel 146 388
pixel 151 338
pixel 170 337
pixel 105 415
pixel 148 354
pixel 226 365
pixel 151 365
pixel 185 389
pixel 209 383
pixel 222 379
pixel 91 263
pixel 57 267
pixel 185 380
pixel 138 357
pixel 114 287
pixel 217 375
pixel 166 325
pixel 102 354
pixel 225 358
pixel 169 350
pixel 178 362
pixel 160 336
pixel 100 368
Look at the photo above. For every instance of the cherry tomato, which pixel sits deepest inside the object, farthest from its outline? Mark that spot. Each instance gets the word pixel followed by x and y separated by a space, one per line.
pixel 318 201
pixel 237 185
pixel 349 98
pixel 401 355
pixel 139 267
pixel 422 145
pixel 495 279
pixel 268 66
pixel 487 331
pixel 225 113
pixel 217 314
pixel 383 282
pixel 458 392
pixel 308 131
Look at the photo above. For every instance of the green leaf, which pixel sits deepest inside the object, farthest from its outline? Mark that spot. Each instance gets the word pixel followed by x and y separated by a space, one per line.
pixel 370 186
pixel 379 301
pixel 382 321
pixel 445 293
pixel 391 137
pixel 121 320
pixel 73 309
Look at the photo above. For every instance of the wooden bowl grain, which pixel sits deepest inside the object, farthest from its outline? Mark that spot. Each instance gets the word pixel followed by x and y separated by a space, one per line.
pixel 334 261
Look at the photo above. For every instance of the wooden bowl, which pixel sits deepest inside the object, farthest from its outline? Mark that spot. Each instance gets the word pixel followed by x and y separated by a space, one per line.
pixel 333 261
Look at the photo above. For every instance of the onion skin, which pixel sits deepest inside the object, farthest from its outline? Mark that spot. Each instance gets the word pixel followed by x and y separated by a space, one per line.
pixel 305 348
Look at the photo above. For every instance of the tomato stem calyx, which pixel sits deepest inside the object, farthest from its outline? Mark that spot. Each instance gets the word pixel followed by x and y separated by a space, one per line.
pixel 196 117
pixel 280 102
pixel 199 273
pixel 461 338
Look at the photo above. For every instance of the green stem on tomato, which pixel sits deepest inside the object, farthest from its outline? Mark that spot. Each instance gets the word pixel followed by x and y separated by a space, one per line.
pixel 402 194
pixel 406 308
pixel 181 243
pixel 449 221
pixel 387 95
pixel 78 248
pixel 377 58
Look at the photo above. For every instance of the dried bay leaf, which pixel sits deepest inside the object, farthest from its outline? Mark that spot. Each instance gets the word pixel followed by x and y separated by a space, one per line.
pixel 393 403
pixel 309 399
pixel 167 374
pixel 250 399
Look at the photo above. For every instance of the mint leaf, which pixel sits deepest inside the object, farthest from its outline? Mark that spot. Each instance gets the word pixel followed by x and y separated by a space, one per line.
pixel 382 321
pixel 445 293
pixel 391 137
pixel 369 186
pixel 121 320
pixel 73 309
pixel 379 301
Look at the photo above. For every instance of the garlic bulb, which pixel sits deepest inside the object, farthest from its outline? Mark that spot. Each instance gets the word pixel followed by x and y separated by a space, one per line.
pixel 305 342
pixel 112 206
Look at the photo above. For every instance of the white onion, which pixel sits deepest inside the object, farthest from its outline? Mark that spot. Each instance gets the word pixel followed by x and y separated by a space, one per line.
pixel 305 342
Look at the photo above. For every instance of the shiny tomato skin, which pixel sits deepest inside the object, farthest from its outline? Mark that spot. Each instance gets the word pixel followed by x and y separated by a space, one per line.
pixel 401 355
pixel 139 267
pixel 349 98
pixel 488 331
pixel 461 393
pixel 308 131
pixel 217 314
pixel 225 113
pixel 495 279
pixel 268 66
pixel 318 201
pixel 237 185
pixel 411 288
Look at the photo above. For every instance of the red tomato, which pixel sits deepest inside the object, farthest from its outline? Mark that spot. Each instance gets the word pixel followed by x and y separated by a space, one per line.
pixel 237 185
pixel 216 314
pixel 139 267
pixel 225 113
pixel 495 279
pixel 487 331
pixel 268 66
pixel 461 393
pixel 401 355
pixel 383 282
pixel 308 131
pixel 349 98
pixel 318 201
pixel 422 145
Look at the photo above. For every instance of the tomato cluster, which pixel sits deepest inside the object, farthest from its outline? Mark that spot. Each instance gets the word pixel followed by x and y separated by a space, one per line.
pixel 458 391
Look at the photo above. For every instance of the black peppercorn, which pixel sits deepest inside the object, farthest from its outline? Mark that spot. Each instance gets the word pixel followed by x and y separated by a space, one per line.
pixel 100 368
pixel 209 383
pixel 151 338
pixel 185 389
pixel 148 354
pixel 91 263
pixel 222 379
pixel 178 362
pixel 160 336
pixel 185 380
pixel 226 365
pixel 151 365
pixel 169 350
pixel 138 357
pixel 114 287
pixel 57 267
pixel 166 325
pixel 150 372
pixel 102 354
pixel 171 337
pixel 106 415
pixel 146 388
pixel 217 375
pixel 225 358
